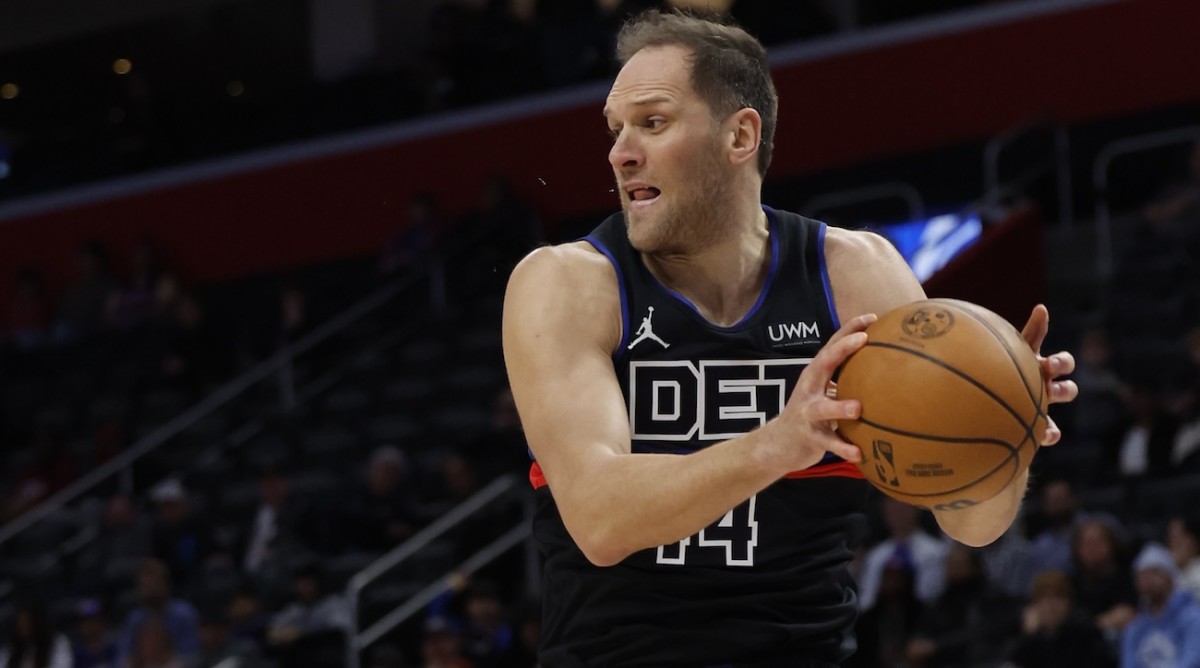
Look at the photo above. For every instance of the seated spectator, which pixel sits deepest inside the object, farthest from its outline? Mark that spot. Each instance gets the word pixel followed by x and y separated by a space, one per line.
pixel 32 642
pixel 885 628
pixel 51 470
pixel 1183 540
pixel 280 525
pixel 486 634
pixel 156 607
pixel 412 243
pixel 441 646
pixel 28 320
pixel 383 514
pixel 219 648
pixel 1144 448
pixel 132 304
pixel 968 624
pixel 192 355
pixel 1166 629
pixel 926 553
pixel 81 310
pixel 522 653
pixel 313 618
pixel 1095 416
pixel 124 540
pixel 95 646
pixel 154 648
pixel 247 620
pixel 502 448
pixel 181 538
pixel 1101 579
pixel 1059 517
pixel 1054 633
pixel 1184 406
pixel 1175 213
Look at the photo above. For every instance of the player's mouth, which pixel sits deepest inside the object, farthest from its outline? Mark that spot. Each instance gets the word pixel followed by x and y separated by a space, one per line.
pixel 641 195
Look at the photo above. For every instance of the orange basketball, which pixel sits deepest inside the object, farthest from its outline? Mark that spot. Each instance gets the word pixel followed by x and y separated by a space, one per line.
pixel 953 403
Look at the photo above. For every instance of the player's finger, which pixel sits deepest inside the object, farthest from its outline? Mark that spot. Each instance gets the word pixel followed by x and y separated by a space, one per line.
pixel 1036 327
pixel 847 451
pixel 816 376
pixel 1063 391
pixel 825 410
pixel 1052 433
pixel 856 324
pixel 1058 364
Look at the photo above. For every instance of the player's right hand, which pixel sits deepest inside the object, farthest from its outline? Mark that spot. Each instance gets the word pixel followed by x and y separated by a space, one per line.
pixel 805 429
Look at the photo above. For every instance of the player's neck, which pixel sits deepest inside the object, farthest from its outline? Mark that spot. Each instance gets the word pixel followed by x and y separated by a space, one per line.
pixel 725 279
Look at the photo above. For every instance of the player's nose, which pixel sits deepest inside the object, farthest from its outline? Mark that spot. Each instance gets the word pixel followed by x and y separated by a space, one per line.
pixel 626 152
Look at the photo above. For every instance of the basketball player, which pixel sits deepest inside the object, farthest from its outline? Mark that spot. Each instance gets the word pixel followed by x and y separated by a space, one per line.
pixel 689 515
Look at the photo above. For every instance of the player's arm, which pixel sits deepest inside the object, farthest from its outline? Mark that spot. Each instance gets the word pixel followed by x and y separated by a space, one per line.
pixel 562 321
pixel 868 275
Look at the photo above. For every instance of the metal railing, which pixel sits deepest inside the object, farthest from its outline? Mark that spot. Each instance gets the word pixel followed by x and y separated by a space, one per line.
pixel 357 641
pixel 884 191
pixel 277 363
pixel 994 189
pixel 1100 169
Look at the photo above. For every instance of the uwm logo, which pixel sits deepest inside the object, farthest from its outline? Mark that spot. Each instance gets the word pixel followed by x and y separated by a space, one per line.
pixel 805 331
pixel 709 400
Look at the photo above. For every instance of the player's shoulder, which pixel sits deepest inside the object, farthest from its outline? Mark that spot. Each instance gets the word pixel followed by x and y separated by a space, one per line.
pixel 570 266
pixel 856 245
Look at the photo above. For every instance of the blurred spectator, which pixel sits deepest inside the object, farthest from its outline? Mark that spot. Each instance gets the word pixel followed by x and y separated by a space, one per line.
pixel 123 542
pixel 1175 214
pixel 885 628
pixel 1051 550
pixel 32 643
pixel 1008 562
pixel 51 469
pixel 969 622
pixel 218 647
pixel 1185 407
pixel 486 635
pixel 1054 633
pixel 1101 579
pixel 1166 630
pixel 905 538
pixel 412 243
pixel 441 646
pixel 1183 540
pixel 154 647
pixel 247 621
pixel 502 448
pixel 132 304
pixel 193 356
pixel 1096 413
pixel 29 312
pixel 173 618
pixel 383 514
pixel 95 646
pixel 309 630
pixel 504 223
pixel 182 538
pixel 522 653
pixel 81 311
pixel 279 526
pixel 1145 446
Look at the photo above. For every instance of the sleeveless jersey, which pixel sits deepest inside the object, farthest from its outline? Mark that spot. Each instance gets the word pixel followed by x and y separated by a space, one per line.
pixel 768 583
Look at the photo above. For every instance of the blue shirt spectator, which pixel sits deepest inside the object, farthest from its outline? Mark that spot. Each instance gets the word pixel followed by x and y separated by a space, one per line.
pixel 1166 631
pixel 178 617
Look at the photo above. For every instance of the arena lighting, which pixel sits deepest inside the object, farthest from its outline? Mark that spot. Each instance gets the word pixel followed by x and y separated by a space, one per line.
pixel 235 88
pixel 10 91
pixel 122 66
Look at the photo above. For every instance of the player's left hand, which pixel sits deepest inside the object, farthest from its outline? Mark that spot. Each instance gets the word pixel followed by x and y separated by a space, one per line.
pixel 1053 366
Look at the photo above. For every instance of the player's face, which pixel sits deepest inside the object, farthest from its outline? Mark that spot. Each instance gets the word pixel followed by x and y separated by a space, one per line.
pixel 672 174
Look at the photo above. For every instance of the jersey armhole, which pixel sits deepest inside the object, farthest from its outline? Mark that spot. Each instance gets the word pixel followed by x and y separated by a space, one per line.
pixel 833 314
pixel 599 245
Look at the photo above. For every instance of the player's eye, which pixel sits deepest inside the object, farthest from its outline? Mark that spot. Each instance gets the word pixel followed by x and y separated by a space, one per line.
pixel 655 122
pixel 614 133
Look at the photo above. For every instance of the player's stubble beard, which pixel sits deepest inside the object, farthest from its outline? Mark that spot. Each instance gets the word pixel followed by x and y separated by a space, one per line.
pixel 697 215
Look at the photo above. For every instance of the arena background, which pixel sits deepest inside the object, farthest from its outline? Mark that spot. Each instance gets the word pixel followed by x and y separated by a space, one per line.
pixel 252 252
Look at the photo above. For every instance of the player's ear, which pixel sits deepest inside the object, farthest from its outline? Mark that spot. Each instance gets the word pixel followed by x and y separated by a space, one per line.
pixel 745 135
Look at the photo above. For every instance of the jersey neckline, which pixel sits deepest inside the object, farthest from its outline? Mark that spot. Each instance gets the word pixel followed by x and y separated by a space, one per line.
pixel 772 270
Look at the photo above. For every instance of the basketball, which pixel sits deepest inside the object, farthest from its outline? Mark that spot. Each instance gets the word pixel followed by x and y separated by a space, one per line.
pixel 953 403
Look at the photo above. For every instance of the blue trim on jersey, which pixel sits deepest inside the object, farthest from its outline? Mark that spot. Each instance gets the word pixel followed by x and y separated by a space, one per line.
pixel 773 235
pixel 825 277
pixel 599 245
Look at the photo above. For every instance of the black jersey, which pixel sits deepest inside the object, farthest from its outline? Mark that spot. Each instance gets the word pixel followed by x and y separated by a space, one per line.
pixel 768 583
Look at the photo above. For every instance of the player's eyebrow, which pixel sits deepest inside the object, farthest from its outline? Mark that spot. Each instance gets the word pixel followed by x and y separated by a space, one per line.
pixel 642 102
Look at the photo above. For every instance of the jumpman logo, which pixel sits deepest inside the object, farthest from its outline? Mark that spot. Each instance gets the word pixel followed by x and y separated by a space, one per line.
pixel 646 331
